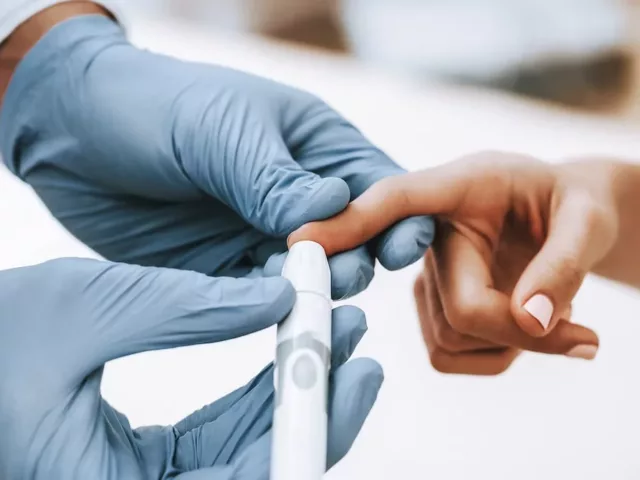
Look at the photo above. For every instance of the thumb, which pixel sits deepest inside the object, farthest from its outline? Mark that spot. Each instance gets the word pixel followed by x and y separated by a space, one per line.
pixel 580 235
pixel 140 309
pixel 255 175
pixel 285 196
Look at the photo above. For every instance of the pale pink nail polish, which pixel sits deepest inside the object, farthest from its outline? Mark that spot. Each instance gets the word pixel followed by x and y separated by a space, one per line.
pixel 587 352
pixel 541 308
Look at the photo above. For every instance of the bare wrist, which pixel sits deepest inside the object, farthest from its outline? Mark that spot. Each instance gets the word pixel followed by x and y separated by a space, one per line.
pixel 622 264
pixel 27 35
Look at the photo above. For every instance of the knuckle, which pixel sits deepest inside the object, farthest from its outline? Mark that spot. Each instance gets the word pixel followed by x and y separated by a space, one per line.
pixel 465 321
pixel 594 213
pixel 594 216
pixel 569 269
pixel 441 361
pixel 447 338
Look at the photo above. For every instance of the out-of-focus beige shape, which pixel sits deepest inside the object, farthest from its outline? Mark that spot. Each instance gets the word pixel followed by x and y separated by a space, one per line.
pixel 632 109
pixel 251 15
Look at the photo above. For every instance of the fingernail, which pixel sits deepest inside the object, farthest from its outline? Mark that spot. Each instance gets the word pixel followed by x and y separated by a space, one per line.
pixel 587 352
pixel 540 308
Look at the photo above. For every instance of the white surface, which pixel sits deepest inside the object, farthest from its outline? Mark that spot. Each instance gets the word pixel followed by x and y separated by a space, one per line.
pixel 550 418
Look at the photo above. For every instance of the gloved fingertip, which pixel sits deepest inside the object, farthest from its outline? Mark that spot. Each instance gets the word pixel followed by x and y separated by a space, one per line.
pixel 349 325
pixel 351 273
pixel 356 387
pixel 363 377
pixel 366 377
pixel 303 200
pixel 370 373
pixel 334 194
pixel 406 242
pixel 351 318
pixel 274 265
pixel 280 289
pixel 362 278
pixel 278 296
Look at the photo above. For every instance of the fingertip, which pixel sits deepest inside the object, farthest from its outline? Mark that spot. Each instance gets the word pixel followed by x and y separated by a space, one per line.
pixel 330 197
pixel 350 318
pixel 351 273
pixel 316 232
pixel 279 296
pixel 363 379
pixel 355 225
pixel 371 372
pixel 534 315
pixel 317 199
pixel 569 339
pixel 583 352
pixel 274 265
pixel 349 325
pixel 406 242
pixel 576 334
pixel 355 390
pixel 280 288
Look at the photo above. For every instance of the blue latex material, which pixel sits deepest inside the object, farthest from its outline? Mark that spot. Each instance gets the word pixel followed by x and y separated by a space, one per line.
pixel 160 162
pixel 62 320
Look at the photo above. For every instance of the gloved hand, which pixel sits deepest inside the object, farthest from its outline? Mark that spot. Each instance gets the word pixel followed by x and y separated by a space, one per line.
pixel 155 161
pixel 62 320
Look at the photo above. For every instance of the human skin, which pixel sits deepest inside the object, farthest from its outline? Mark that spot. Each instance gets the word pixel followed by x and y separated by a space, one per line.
pixel 516 238
pixel 27 35
pixel 153 160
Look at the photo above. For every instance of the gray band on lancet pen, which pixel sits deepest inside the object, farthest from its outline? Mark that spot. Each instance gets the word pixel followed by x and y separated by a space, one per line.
pixel 305 374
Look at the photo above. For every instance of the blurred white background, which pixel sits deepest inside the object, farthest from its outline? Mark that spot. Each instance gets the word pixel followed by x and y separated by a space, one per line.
pixel 548 417
pixel 478 39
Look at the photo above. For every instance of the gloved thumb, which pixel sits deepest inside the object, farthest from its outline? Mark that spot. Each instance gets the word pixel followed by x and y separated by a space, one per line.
pixel 257 177
pixel 288 197
pixel 141 309
pixel 579 236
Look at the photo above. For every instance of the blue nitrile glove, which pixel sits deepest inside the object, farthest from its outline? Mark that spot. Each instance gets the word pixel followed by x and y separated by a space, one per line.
pixel 155 161
pixel 62 320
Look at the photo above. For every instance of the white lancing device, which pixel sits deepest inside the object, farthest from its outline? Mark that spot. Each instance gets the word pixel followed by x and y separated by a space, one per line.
pixel 303 358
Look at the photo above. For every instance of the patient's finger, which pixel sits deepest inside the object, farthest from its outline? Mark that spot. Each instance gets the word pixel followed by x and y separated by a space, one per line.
pixel 433 191
pixel 484 362
pixel 473 307
pixel 444 335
